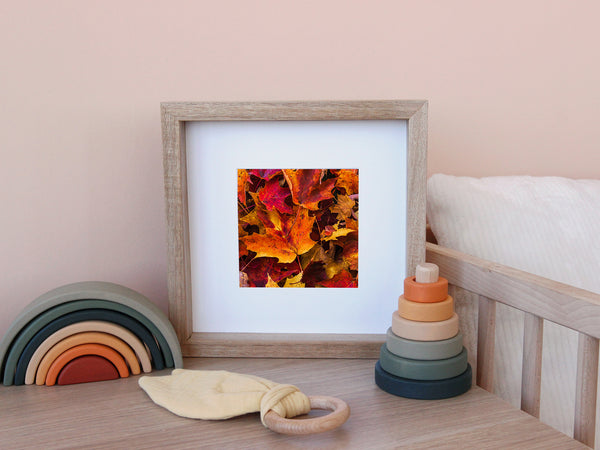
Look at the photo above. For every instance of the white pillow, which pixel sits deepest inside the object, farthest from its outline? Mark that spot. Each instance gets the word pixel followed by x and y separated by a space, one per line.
pixel 548 226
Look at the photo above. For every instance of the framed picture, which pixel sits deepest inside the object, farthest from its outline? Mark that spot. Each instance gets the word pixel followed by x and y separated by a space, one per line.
pixel 291 225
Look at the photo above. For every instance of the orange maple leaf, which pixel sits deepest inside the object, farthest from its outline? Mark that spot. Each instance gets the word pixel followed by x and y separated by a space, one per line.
pixel 352 224
pixel 285 237
pixel 307 188
pixel 348 179
pixel 242 183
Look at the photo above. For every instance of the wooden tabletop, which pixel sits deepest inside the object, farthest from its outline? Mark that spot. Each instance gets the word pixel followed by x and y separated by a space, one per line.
pixel 118 414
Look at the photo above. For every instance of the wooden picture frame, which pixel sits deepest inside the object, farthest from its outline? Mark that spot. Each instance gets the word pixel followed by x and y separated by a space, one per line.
pixel 175 116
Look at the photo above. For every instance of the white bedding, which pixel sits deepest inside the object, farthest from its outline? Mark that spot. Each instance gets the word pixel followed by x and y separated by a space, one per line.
pixel 548 226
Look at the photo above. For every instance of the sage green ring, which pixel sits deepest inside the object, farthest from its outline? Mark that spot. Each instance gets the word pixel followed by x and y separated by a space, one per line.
pixel 415 369
pixel 424 350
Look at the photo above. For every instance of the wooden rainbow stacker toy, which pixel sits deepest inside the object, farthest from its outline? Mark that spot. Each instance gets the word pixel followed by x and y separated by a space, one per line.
pixel 424 356
pixel 88 331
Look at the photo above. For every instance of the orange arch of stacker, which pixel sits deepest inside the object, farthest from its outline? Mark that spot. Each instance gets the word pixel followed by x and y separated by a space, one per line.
pixel 91 337
pixel 87 326
pixel 86 349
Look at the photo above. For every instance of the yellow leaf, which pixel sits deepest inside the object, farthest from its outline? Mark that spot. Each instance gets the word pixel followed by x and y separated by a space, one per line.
pixel 252 219
pixel 343 207
pixel 330 233
pixel 271 283
pixel 294 282
pixel 335 267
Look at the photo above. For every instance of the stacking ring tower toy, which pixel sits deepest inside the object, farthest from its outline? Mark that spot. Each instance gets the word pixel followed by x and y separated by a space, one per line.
pixel 423 356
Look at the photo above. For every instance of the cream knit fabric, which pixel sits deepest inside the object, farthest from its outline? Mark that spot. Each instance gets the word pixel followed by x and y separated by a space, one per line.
pixel 218 394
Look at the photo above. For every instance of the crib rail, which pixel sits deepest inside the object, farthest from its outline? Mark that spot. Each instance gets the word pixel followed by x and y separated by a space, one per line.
pixel 540 299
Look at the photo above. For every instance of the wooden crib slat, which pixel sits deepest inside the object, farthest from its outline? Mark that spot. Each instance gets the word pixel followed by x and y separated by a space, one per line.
pixel 466 305
pixel 541 299
pixel 531 380
pixel 585 394
pixel 486 331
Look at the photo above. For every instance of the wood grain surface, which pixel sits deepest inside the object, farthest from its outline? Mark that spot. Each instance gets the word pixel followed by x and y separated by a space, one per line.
pixel 586 392
pixel 118 414
pixel 531 380
pixel 267 345
pixel 486 330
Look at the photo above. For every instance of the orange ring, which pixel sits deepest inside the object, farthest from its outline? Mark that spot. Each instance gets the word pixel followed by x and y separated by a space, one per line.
pixel 86 349
pixel 425 292
pixel 426 312
pixel 90 337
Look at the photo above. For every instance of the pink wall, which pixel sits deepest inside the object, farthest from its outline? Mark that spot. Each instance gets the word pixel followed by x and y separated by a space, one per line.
pixel 512 86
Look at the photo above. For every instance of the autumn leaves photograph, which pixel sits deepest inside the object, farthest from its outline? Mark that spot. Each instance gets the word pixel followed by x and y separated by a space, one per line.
pixel 298 227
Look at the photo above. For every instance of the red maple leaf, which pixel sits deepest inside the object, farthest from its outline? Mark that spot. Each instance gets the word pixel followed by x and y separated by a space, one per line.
pixel 342 280
pixel 273 195
pixel 314 273
pixel 259 270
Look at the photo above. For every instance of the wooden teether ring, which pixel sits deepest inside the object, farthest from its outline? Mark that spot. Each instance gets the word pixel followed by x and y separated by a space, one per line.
pixel 340 411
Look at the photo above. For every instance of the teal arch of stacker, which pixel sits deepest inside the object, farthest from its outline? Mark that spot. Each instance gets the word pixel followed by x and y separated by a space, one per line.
pixel 123 298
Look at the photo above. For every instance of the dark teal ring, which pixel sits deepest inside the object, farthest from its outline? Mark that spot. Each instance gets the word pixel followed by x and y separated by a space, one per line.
pixel 423 390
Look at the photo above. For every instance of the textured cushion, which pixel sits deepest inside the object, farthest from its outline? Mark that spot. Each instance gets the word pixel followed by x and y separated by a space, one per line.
pixel 547 226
